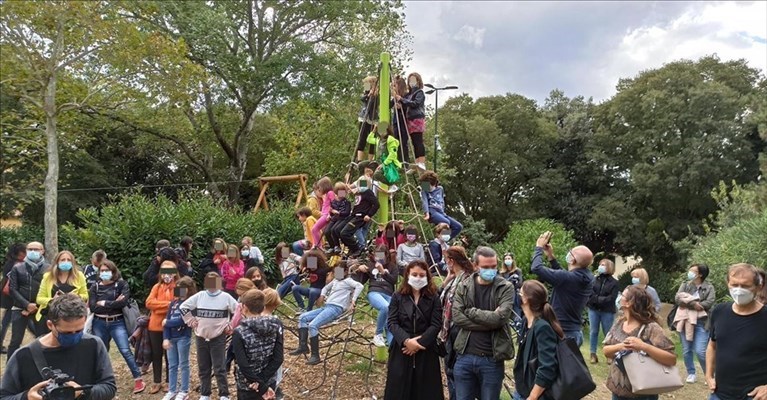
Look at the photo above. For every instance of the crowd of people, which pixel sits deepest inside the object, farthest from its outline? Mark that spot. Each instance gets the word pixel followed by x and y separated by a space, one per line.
pixel 467 325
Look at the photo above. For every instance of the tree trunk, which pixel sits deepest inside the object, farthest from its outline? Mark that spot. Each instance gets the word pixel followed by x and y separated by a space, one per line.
pixel 52 177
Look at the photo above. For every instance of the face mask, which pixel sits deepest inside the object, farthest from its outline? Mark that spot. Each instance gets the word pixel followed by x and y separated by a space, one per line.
pixel 569 258
pixel 445 238
pixel 413 84
pixel 691 275
pixel 363 189
pixel 410 238
pixel 416 282
pixel 167 278
pixel 33 256
pixel 106 276
pixel 618 301
pixel 634 281
pixel 601 269
pixel 65 265
pixel 741 296
pixel 69 339
pixel 245 253
pixel 488 274
pixel 339 273
pixel 508 262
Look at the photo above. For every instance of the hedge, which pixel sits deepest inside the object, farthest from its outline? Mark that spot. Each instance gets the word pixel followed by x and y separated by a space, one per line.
pixel 522 236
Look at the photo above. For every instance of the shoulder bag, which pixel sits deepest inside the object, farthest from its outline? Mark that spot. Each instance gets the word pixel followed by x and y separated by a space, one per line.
pixel 648 376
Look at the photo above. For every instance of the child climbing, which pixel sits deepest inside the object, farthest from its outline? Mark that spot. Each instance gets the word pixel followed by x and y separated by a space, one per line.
pixel 415 106
pixel 340 209
pixel 399 122
pixel 368 115
pixel 365 206
pixel 386 145
pixel 325 188
pixel 304 215
pixel 433 203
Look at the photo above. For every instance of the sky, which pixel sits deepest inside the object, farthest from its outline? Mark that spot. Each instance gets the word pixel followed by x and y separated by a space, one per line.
pixel 583 48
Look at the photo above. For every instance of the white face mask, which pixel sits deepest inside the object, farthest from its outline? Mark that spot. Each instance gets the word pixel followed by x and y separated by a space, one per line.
pixel 413 83
pixel 741 296
pixel 416 282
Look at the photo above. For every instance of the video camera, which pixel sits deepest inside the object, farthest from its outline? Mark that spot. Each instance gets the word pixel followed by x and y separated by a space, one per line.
pixel 57 389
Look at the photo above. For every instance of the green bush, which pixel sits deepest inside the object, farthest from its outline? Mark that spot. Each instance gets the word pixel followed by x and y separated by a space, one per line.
pixel 128 227
pixel 521 241
pixel 745 241
pixel 22 234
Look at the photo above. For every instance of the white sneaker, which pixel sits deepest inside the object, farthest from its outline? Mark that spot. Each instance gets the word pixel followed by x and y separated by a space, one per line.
pixel 691 378
pixel 379 341
pixel 182 396
pixel 223 398
pixel 169 396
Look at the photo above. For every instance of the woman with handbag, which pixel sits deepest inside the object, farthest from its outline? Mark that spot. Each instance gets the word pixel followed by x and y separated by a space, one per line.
pixel 535 369
pixel 106 300
pixel 415 318
pixel 637 330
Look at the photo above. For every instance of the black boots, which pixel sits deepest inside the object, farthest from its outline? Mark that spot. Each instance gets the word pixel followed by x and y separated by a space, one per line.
pixel 303 335
pixel 314 342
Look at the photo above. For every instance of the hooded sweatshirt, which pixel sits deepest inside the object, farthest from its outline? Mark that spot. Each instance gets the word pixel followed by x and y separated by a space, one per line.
pixel 258 349
pixel 572 290
pixel 212 312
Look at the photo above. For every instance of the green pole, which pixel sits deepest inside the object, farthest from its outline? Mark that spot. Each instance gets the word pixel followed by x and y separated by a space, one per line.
pixel 384 115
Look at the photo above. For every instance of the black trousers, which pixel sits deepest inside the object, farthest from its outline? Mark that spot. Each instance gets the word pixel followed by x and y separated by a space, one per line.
pixel 349 229
pixel 418 147
pixel 365 130
pixel 400 133
pixel 158 353
pixel 333 232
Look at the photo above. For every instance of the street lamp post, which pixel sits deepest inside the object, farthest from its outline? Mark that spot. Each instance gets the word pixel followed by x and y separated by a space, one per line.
pixel 436 90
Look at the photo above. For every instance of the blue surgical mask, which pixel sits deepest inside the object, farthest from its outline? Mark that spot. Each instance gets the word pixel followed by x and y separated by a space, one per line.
pixel 569 258
pixel 65 265
pixel 634 281
pixel 363 189
pixel 245 253
pixel 601 269
pixel 69 339
pixel 488 274
pixel 106 276
pixel 33 256
pixel 445 238
pixel 508 262
pixel 691 275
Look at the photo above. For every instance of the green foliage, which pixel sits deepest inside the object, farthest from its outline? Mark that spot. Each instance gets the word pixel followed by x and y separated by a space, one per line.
pixel 475 234
pixel 521 238
pixel 128 228
pixel 23 234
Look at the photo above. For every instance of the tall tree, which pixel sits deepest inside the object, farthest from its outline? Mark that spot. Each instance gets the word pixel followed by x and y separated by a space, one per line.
pixel 668 137
pixel 255 55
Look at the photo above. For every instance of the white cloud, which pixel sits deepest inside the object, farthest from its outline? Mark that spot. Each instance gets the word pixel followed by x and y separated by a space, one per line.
pixel 489 48
pixel 471 35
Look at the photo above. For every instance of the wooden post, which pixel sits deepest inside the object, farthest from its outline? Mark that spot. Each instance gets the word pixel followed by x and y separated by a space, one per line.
pixel 263 183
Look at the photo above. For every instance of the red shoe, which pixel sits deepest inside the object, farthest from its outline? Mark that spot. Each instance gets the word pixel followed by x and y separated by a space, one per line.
pixel 139 386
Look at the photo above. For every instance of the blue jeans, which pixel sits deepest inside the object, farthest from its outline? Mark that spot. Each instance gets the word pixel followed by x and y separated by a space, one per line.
pixel 5 324
pixel 698 344
pixel 315 319
pixel 362 234
pixel 577 335
pixel 715 397
pixel 517 396
pixel 178 358
pixel 297 247
pixel 596 319
pixel 116 330
pixel 287 285
pixel 312 293
pixel 477 377
pixel 648 397
pixel 439 217
pixel 380 302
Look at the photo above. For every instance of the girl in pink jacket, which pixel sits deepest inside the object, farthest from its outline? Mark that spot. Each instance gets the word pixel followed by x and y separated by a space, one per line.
pixel 232 269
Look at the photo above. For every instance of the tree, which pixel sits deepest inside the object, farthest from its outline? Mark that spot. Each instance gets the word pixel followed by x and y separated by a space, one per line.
pixel 496 146
pixel 42 41
pixel 261 54
pixel 667 137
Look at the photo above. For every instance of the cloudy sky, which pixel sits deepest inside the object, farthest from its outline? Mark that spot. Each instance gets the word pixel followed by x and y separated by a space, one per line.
pixel 583 48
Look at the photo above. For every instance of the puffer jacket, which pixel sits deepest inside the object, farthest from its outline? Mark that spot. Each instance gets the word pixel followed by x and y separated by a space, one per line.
pixel 25 282
pixel 258 349
pixel 416 104
pixel 467 318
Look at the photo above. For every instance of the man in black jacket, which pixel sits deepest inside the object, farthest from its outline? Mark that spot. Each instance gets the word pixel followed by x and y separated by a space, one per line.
pixel 24 284
pixel 83 357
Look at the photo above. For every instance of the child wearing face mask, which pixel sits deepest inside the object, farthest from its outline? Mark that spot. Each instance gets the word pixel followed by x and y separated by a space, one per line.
pixel 433 203
pixel 438 246
pixel 411 250
pixel 158 302
pixel 232 270
pixel 177 339
pixel 338 295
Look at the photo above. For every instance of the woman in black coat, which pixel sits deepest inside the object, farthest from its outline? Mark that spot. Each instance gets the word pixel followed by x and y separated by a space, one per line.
pixel 16 254
pixel 415 318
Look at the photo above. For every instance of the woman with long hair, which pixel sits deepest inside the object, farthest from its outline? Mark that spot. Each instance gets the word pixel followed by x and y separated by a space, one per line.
pixel 64 277
pixel 636 330
pixel 540 334
pixel 415 318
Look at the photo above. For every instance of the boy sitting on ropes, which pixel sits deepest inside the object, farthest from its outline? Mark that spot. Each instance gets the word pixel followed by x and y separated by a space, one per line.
pixel 433 203
pixel 365 206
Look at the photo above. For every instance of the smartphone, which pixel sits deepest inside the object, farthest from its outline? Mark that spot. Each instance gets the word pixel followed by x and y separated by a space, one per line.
pixel 311 263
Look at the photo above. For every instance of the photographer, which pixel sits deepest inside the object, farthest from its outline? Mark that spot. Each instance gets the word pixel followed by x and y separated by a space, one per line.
pixel 23 379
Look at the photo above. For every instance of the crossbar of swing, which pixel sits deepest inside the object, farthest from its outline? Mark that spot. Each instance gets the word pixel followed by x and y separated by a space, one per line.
pixel 264 181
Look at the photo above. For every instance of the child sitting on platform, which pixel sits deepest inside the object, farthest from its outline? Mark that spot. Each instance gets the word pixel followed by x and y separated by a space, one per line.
pixel 433 204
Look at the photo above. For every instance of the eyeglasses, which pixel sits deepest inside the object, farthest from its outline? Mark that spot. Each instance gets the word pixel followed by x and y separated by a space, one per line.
pixel 36 249
pixel 575 260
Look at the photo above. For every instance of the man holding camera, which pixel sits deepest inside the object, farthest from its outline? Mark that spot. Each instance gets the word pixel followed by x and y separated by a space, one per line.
pixel 75 365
